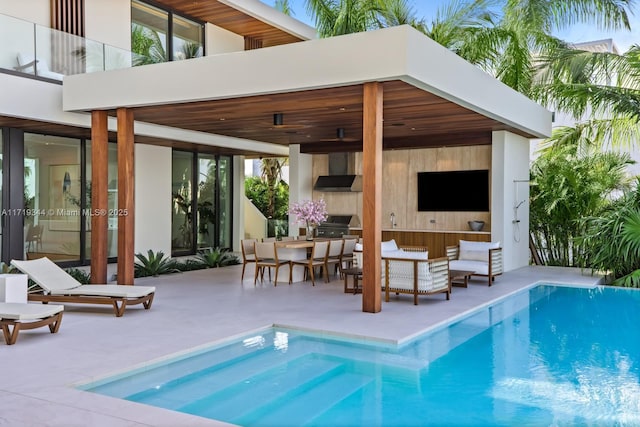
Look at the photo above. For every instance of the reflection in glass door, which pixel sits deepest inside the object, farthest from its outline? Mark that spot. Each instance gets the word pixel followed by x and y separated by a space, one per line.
pixel 53 194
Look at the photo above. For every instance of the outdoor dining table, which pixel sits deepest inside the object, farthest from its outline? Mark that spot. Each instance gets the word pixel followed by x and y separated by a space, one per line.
pixel 293 250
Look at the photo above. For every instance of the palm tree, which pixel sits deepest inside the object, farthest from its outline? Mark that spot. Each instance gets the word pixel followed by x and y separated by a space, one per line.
pixel 603 85
pixel 511 39
pixel 271 171
pixel 284 7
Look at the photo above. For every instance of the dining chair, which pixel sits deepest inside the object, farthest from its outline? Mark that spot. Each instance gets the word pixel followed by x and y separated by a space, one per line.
pixel 268 239
pixel 267 257
pixel 318 258
pixel 346 260
pixel 248 253
pixel 334 255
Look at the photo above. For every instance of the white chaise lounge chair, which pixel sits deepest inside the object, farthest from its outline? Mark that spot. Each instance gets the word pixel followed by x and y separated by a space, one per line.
pixel 58 286
pixel 15 316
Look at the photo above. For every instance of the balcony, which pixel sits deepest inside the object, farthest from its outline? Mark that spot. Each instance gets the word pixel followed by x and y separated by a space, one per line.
pixel 32 50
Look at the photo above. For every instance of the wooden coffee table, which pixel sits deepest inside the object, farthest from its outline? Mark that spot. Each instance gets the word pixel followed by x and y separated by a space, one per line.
pixel 460 278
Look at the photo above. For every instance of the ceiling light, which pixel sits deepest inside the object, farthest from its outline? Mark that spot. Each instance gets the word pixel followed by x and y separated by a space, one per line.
pixel 340 133
pixel 278 119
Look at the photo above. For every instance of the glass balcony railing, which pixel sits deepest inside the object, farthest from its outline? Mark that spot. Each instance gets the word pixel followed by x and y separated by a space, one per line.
pixel 32 49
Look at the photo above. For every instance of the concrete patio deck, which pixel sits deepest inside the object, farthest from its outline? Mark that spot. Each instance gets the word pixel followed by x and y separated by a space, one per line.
pixel 191 309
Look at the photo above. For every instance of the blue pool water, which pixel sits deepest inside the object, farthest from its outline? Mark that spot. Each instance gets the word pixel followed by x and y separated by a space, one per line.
pixel 551 355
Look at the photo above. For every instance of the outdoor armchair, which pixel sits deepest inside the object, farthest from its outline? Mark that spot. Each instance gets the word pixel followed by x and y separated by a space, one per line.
pixel 483 258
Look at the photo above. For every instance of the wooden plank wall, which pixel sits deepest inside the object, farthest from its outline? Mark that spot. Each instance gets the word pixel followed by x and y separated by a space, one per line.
pixel 399 186
pixel 435 242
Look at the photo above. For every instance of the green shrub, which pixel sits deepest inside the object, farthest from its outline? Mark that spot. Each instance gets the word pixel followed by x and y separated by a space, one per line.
pixel 154 264
pixel 81 276
pixel 190 265
pixel 217 258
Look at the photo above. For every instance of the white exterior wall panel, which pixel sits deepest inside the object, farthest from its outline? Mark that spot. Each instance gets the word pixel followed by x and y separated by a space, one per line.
pixel 152 198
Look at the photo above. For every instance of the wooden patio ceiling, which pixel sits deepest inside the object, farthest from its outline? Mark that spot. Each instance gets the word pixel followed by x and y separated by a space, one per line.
pixel 231 19
pixel 413 118
pixel 68 131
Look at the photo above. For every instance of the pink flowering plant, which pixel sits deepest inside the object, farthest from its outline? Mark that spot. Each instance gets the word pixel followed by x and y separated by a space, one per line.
pixel 311 212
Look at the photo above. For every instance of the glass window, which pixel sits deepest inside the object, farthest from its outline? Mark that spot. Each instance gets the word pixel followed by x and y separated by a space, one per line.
pixel 226 201
pixel 210 195
pixel 149 30
pixel 160 36
pixel 206 201
pixel 182 194
pixel 52 186
pixel 112 230
pixel 187 39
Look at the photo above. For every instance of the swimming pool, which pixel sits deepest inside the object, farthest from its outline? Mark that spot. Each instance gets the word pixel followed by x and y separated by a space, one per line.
pixel 550 355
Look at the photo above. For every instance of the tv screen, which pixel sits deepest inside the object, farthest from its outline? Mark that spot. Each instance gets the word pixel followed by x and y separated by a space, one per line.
pixel 454 191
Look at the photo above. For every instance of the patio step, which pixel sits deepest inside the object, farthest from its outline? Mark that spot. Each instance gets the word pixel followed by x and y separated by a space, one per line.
pixel 234 401
pixel 303 404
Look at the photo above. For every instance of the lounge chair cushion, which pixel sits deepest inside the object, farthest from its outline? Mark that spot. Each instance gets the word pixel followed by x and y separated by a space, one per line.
pixel 55 281
pixel 476 251
pixel 24 312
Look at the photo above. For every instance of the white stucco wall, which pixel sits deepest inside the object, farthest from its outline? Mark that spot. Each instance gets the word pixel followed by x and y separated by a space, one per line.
pixel 38 11
pixel 300 181
pixel 510 187
pixel 109 21
pixel 219 40
pixel 152 198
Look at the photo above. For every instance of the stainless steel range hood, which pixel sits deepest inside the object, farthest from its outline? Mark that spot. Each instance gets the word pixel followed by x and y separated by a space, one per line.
pixel 341 175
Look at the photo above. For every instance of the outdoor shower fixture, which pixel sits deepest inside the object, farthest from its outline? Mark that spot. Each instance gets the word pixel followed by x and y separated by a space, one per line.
pixel 516 206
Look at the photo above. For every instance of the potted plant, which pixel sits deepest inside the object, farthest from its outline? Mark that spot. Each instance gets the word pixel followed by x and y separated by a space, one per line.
pixel 311 213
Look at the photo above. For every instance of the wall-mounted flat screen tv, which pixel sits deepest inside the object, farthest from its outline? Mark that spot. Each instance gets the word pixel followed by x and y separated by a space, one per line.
pixel 454 191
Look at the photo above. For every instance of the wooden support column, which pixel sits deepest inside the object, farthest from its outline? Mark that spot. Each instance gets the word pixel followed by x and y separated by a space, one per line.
pixel 99 196
pixel 371 196
pixel 126 256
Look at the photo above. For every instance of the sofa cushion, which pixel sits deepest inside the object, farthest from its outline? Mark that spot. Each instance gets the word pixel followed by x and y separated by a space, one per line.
pixel 389 246
pixel 478 267
pixel 476 251
pixel 406 254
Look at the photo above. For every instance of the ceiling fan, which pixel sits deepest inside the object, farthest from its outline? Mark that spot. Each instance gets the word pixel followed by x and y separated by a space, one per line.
pixel 340 137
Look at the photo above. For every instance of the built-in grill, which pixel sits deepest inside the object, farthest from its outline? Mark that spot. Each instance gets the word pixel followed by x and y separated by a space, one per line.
pixel 337 225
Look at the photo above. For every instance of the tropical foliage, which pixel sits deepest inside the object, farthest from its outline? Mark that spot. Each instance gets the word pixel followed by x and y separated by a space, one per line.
pixel 154 264
pixel 567 187
pixel 257 191
pixel 146 45
pixel 81 276
pixel 612 240
pixel 217 257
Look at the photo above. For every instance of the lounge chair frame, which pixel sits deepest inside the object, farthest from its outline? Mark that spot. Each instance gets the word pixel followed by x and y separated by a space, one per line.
pixel 11 328
pixel 74 291
pixel 119 303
